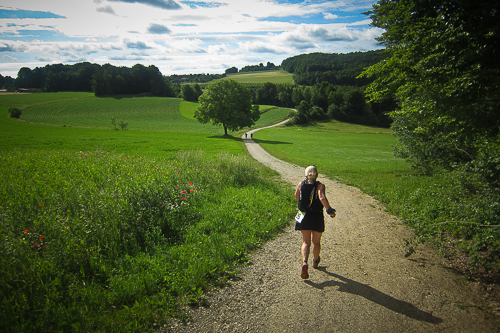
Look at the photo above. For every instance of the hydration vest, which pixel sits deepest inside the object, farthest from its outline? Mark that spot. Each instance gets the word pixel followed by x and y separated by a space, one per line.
pixel 309 201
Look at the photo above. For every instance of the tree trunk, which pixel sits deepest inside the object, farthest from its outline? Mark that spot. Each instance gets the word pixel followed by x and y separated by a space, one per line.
pixel 225 129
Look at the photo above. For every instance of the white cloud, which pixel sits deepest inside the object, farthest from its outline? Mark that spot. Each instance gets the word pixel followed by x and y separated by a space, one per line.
pixel 204 37
pixel 330 16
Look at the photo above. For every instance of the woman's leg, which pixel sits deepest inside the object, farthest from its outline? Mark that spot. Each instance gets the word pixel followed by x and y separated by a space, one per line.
pixel 316 240
pixel 306 245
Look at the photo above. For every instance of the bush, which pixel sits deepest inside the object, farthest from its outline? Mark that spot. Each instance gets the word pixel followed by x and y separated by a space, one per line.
pixel 15 113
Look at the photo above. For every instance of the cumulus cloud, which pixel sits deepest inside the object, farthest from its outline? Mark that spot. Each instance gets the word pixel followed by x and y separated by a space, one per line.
pixel 6 47
pixel 163 4
pixel 7 58
pixel 106 9
pixel 137 45
pixel 330 16
pixel 158 29
pixel 262 47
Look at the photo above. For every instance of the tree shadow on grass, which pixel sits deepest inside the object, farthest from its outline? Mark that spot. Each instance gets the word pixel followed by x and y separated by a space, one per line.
pixel 227 137
pixel 271 142
pixel 239 139
pixel 375 296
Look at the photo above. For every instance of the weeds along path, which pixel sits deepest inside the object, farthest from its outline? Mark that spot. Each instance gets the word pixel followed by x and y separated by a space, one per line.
pixel 364 282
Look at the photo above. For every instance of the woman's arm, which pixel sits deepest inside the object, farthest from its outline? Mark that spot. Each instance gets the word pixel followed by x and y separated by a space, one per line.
pixel 297 192
pixel 322 197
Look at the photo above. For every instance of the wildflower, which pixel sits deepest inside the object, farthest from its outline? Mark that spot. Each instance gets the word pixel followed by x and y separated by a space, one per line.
pixel 44 246
pixel 190 183
pixel 36 244
pixel 40 205
pixel 183 198
pixel 41 237
pixel 83 154
pixel 26 231
pixel 191 191
pixel 183 192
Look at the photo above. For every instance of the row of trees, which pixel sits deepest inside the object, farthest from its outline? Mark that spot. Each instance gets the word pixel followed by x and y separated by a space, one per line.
pixel 6 82
pixel 318 102
pixel 253 68
pixel 102 80
pixel 337 69
pixel 194 78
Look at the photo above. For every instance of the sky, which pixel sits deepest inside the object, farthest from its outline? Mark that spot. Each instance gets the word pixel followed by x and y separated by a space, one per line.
pixel 177 36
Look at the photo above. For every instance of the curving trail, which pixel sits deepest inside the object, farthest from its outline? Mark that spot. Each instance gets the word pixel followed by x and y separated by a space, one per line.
pixel 364 282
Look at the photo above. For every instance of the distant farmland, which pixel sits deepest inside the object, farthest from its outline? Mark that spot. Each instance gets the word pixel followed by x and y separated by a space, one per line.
pixel 279 76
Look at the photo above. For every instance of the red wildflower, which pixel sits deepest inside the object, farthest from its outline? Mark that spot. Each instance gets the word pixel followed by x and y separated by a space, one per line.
pixel 191 191
pixel 44 246
pixel 40 205
pixel 26 231
pixel 183 198
pixel 83 154
pixel 41 237
pixel 190 183
pixel 183 192
pixel 36 244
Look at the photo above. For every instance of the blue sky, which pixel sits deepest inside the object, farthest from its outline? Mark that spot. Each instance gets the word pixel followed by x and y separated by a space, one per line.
pixel 179 37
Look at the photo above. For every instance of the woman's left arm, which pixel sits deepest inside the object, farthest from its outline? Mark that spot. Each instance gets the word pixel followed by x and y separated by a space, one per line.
pixel 323 199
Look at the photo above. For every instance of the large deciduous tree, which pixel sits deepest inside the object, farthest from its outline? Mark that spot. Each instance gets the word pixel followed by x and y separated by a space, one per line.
pixel 227 103
pixel 443 69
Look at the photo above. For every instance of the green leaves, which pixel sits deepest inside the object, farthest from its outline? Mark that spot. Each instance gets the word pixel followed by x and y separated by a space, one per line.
pixel 227 103
pixel 443 73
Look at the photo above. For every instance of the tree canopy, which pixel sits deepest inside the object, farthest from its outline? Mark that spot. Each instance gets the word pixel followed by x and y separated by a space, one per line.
pixel 227 103
pixel 443 70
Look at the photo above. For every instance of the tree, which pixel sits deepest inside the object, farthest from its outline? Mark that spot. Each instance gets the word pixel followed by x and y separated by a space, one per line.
pixel 188 93
pixel 227 103
pixel 444 73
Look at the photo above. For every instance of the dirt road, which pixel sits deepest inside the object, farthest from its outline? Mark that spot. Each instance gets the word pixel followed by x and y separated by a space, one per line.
pixel 364 282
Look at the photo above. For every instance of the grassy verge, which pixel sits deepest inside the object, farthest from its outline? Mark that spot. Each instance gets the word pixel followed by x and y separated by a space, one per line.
pixel 100 242
pixel 451 210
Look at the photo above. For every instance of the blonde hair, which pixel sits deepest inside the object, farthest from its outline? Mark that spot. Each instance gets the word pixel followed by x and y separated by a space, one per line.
pixel 311 172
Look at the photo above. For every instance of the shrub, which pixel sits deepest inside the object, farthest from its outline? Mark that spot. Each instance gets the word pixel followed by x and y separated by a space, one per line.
pixel 15 113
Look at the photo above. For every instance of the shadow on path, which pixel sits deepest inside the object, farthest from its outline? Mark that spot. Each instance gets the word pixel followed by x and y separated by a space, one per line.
pixel 375 296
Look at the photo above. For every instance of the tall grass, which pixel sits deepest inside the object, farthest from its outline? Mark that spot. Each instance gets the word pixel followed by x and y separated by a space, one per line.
pixel 93 241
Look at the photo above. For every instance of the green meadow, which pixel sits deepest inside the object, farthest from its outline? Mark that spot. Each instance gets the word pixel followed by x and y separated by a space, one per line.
pixel 108 230
pixel 278 76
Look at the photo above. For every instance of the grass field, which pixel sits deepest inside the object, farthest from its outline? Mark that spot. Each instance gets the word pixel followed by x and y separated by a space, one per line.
pixel 276 77
pixel 157 127
pixel 114 230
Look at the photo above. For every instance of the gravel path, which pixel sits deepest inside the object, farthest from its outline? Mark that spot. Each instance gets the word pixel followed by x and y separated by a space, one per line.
pixel 364 282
